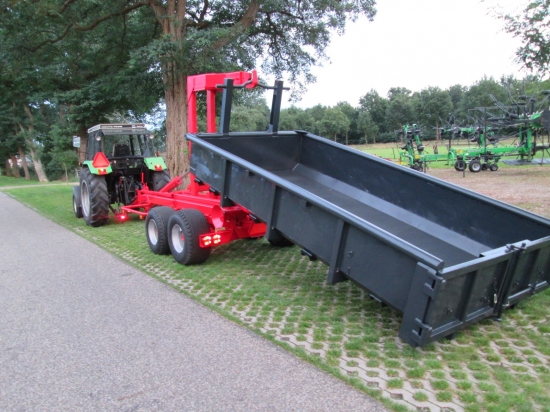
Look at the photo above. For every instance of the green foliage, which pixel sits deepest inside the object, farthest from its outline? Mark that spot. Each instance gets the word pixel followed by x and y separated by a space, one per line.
pixel 333 123
pixel 531 26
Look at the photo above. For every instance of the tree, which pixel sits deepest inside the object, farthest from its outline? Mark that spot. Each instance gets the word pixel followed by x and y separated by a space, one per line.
pixel 203 36
pixel 334 122
pixel 400 108
pixel 366 126
pixel 479 95
pixel 351 114
pixel 377 107
pixel 431 106
pixel 532 26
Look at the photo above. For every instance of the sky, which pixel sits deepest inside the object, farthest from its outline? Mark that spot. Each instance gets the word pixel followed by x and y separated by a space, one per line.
pixel 416 44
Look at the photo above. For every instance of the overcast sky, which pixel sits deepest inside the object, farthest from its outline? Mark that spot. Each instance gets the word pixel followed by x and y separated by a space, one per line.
pixel 416 44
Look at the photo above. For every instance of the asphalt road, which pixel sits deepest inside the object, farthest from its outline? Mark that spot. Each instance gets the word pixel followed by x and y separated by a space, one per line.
pixel 81 330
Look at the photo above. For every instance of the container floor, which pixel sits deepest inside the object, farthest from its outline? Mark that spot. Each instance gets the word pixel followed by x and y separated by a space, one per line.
pixel 439 241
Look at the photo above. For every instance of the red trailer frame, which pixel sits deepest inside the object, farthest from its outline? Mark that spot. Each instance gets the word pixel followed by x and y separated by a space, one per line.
pixel 226 223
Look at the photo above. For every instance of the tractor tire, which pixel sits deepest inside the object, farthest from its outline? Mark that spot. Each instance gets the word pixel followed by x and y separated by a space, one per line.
pixel 94 198
pixel 474 166
pixel 184 229
pixel 77 203
pixel 460 165
pixel 156 229
pixel 160 179
pixel 493 167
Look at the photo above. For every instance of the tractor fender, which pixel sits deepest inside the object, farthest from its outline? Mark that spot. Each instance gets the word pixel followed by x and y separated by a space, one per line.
pixel 77 197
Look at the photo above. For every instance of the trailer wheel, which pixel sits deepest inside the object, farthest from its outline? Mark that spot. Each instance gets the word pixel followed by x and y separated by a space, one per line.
pixel 460 165
pixel 77 203
pixel 156 229
pixel 94 198
pixel 184 228
pixel 160 179
pixel 475 166
pixel 493 167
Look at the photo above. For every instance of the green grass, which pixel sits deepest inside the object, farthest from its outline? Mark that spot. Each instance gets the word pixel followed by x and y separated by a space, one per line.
pixel 16 181
pixel 489 366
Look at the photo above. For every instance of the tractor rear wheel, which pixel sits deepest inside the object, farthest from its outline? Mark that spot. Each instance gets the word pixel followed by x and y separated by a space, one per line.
pixel 160 179
pixel 156 229
pixel 184 229
pixel 94 198
pixel 474 166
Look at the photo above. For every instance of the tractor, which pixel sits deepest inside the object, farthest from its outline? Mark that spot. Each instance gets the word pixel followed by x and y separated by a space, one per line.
pixel 120 159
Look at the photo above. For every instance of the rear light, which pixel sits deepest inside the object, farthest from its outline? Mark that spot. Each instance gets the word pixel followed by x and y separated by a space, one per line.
pixel 102 171
pixel 122 217
pixel 158 167
pixel 210 240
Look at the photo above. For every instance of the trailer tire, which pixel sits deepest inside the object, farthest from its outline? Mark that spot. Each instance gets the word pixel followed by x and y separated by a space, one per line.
pixel 184 229
pixel 77 203
pixel 160 179
pixel 474 166
pixel 493 167
pixel 460 165
pixel 94 198
pixel 156 229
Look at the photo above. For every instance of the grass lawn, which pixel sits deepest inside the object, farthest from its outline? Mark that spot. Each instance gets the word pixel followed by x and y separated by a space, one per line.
pixel 283 296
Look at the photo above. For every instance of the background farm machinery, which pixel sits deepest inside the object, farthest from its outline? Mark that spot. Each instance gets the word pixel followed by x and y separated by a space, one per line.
pixel 519 121
pixel 413 152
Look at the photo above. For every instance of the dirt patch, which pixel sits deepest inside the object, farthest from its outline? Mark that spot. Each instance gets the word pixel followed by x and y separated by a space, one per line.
pixel 527 187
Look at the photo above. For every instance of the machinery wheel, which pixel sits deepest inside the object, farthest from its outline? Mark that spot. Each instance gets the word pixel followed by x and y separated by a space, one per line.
pixel 460 165
pixel 94 198
pixel 160 179
pixel 77 203
pixel 184 228
pixel 156 229
pixel 493 167
pixel 474 166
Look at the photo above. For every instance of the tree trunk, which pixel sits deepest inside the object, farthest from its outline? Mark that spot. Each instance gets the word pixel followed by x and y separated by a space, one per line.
pixel 23 158
pixel 8 168
pixel 83 133
pixel 15 166
pixel 334 136
pixel 38 168
pixel 177 158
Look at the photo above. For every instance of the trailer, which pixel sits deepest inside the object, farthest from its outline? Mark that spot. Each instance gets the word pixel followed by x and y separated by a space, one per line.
pixel 441 255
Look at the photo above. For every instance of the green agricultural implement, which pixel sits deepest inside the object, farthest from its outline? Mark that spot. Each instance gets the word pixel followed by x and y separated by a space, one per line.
pixel 523 121
pixel 413 154
pixel 120 159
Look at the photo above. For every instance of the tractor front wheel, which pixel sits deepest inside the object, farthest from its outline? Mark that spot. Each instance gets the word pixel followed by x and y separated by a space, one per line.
pixel 160 179
pixel 77 203
pixel 184 229
pixel 475 166
pixel 156 229
pixel 94 198
pixel 493 167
